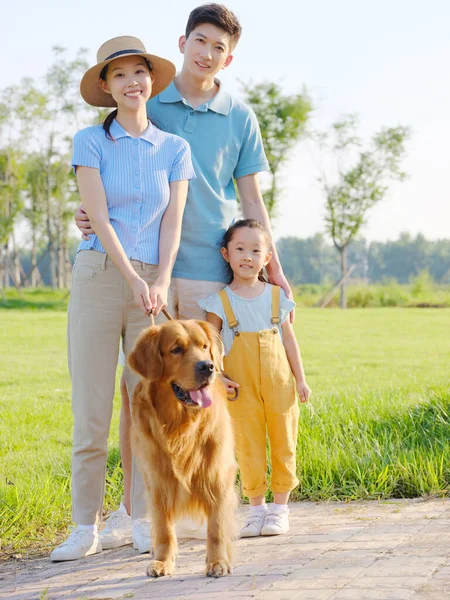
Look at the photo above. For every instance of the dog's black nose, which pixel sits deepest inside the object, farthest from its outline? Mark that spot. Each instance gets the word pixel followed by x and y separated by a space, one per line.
pixel 204 368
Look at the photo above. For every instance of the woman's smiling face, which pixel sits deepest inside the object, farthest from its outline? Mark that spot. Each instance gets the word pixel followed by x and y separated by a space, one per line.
pixel 129 81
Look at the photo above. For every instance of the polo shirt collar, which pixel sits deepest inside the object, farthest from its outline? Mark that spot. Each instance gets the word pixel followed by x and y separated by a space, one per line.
pixel 220 103
pixel 149 135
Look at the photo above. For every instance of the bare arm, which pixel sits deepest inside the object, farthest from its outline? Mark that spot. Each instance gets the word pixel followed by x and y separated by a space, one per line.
pixel 169 241
pixel 253 207
pixel 217 322
pixel 214 320
pixel 295 360
pixel 93 197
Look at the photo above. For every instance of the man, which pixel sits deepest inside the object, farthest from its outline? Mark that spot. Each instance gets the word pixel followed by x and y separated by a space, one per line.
pixel 226 146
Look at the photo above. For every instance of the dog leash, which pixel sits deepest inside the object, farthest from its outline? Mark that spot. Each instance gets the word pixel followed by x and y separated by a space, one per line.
pixel 150 314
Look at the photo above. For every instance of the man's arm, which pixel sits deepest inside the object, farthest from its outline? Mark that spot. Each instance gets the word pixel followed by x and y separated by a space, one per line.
pixel 253 207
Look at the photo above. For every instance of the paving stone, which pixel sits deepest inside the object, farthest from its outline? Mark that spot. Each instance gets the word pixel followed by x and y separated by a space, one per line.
pixel 334 551
pixel 376 594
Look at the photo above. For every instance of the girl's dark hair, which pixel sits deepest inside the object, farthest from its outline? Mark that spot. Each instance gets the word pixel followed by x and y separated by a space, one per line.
pixel 112 115
pixel 251 224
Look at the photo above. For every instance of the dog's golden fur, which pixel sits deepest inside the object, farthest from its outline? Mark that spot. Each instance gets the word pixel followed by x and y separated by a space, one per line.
pixel 185 452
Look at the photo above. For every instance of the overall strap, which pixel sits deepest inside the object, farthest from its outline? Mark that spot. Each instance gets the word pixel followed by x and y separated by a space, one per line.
pixel 275 305
pixel 231 319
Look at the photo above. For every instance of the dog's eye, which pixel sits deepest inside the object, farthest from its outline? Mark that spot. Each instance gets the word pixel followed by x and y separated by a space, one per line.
pixel 205 346
pixel 176 350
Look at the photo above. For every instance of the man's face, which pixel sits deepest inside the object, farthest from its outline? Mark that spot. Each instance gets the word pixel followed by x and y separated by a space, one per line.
pixel 206 51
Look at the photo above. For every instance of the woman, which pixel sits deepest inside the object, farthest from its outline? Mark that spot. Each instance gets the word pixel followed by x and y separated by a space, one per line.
pixel 133 182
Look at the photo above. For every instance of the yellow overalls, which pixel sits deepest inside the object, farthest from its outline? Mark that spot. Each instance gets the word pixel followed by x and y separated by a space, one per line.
pixel 267 398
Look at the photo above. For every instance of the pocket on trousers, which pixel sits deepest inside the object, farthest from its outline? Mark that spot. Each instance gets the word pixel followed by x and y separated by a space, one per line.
pixel 83 273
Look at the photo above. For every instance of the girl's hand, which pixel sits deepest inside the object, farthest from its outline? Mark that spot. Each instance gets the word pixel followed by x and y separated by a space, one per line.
pixel 158 296
pixel 141 295
pixel 230 385
pixel 304 391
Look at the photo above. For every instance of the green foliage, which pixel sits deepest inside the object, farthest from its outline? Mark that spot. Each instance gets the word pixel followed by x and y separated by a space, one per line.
pixel 38 120
pixel 282 119
pixel 313 260
pixel 361 183
pixel 362 178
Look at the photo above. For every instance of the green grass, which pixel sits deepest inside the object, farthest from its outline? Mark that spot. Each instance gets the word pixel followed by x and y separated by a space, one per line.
pixel 378 424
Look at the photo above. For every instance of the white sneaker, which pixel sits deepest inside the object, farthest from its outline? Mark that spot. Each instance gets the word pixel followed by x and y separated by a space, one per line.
pixel 117 531
pixel 253 524
pixel 142 535
pixel 189 529
pixel 80 543
pixel 277 521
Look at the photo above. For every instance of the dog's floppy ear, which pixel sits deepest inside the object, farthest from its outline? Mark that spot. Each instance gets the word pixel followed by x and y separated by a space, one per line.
pixel 145 358
pixel 217 349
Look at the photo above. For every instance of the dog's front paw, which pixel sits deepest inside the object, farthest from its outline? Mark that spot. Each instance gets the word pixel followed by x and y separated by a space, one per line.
pixel 159 568
pixel 218 568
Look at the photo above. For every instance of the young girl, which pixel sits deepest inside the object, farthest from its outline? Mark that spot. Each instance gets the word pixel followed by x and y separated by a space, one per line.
pixel 261 355
pixel 133 182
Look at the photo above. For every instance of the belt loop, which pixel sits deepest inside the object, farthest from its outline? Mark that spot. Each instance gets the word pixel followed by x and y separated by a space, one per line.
pixel 144 266
pixel 105 258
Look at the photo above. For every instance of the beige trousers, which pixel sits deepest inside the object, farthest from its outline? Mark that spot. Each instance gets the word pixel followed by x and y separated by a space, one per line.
pixel 101 311
pixel 185 294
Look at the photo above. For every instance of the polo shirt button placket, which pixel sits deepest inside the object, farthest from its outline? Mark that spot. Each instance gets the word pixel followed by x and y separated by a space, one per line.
pixel 189 124
pixel 137 187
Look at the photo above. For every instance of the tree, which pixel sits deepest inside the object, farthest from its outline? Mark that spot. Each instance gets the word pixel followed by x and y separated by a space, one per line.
pixel 362 177
pixel 282 120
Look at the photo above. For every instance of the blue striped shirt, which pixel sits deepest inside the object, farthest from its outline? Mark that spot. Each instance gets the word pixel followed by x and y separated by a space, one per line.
pixel 136 173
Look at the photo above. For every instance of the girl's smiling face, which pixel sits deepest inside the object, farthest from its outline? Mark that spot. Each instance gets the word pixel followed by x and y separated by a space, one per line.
pixel 247 252
pixel 129 82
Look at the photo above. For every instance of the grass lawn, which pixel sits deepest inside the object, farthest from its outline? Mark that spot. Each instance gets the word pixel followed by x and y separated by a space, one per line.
pixel 378 424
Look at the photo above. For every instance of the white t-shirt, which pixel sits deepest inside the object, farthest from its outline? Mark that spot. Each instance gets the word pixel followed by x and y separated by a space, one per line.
pixel 253 314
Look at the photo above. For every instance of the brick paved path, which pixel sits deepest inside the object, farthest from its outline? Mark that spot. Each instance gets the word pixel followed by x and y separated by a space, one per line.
pixel 365 550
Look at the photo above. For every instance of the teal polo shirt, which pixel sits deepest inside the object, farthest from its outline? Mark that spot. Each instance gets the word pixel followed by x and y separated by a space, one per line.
pixel 226 144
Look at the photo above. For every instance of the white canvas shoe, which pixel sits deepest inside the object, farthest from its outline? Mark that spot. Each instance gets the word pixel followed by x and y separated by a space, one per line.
pixel 189 529
pixel 254 522
pixel 117 531
pixel 277 521
pixel 80 543
pixel 142 535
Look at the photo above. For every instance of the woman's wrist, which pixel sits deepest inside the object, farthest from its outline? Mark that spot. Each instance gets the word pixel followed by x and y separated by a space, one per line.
pixel 163 280
pixel 132 277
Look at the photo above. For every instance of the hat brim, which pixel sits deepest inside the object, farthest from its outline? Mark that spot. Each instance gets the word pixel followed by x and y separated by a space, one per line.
pixel 162 74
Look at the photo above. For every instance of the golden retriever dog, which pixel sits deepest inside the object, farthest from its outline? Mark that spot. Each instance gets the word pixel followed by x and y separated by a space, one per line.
pixel 183 440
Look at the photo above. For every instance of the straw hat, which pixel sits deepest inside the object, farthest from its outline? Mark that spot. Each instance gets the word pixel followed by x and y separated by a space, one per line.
pixel 125 45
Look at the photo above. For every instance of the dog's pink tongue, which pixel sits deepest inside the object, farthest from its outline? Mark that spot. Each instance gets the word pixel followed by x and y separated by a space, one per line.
pixel 202 397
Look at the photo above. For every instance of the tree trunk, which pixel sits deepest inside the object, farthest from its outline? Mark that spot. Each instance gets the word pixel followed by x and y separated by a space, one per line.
pixel 343 253
pixel 15 263
pixel 67 266
pixel 4 267
pixel 34 271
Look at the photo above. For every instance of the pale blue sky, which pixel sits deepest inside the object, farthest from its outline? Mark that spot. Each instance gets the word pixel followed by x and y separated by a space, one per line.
pixel 388 60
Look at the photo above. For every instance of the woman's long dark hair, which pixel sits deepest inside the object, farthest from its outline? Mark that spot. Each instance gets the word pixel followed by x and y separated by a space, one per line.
pixel 112 115
pixel 251 224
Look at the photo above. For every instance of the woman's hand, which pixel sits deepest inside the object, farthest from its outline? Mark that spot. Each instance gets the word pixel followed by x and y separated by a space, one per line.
pixel 158 295
pixel 304 391
pixel 141 295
